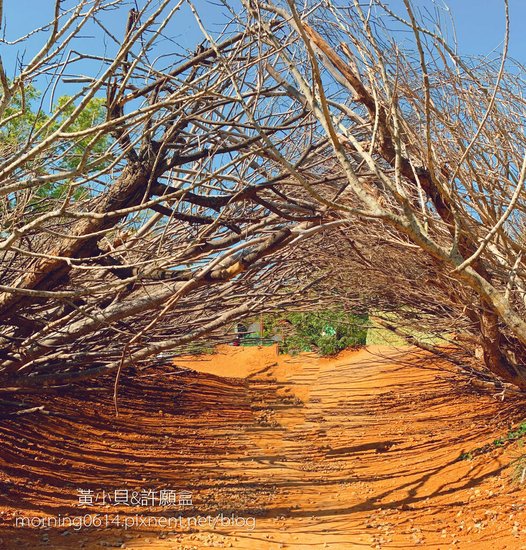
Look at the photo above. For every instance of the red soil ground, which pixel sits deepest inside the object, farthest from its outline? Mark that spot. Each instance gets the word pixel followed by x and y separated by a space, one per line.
pixel 358 451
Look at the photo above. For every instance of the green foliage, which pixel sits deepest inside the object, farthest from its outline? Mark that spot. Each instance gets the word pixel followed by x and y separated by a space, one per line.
pixel 21 120
pixel 519 432
pixel 512 435
pixel 93 114
pixel 466 456
pixel 516 434
pixel 326 332
pixel 25 122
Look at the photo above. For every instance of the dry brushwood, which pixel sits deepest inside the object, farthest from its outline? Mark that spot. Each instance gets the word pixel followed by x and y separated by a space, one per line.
pixel 299 159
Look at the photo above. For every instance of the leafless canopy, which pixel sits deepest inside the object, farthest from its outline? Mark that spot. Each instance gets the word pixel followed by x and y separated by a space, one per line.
pixel 301 158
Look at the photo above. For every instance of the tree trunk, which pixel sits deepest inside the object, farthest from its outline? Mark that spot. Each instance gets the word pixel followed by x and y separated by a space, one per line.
pixel 494 357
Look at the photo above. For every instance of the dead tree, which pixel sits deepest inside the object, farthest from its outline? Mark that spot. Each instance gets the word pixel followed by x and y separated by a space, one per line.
pixel 298 158
pixel 142 230
pixel 429 144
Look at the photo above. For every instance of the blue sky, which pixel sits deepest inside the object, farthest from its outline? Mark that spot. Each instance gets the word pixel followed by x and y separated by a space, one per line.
pixel 479 22
pixel 479 25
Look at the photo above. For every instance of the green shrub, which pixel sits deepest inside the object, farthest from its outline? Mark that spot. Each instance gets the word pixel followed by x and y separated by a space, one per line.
pixel 325 332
